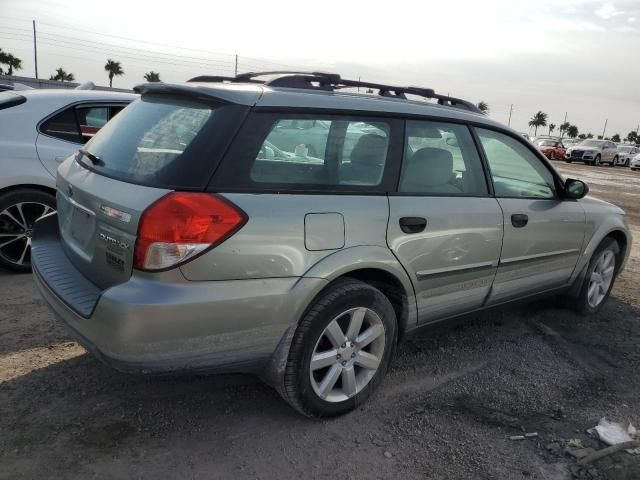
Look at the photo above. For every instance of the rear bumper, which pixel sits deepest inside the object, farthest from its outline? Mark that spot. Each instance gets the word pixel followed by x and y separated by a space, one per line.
pixel 154 325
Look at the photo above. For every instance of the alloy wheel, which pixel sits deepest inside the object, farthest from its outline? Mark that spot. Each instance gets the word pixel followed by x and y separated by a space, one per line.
pixel 347 354
pixel 16 230
pixel 601 278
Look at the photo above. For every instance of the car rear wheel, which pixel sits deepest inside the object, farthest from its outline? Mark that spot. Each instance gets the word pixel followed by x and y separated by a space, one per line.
pixel 600 277
pixel 626 162
pixel 341 349
pixel 19 209
pixel 596 161
pixel 568 160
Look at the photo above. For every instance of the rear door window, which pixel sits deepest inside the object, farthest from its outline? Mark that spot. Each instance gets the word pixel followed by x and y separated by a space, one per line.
pixel 323 151
pixel 91 119
pixel 441 159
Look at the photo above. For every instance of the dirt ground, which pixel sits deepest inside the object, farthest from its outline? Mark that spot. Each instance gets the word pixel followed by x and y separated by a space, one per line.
pixel 446 410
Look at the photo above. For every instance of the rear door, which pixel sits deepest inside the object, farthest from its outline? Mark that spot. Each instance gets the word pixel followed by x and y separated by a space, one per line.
pixel 66 131
pixel 444 226
pixel 543 233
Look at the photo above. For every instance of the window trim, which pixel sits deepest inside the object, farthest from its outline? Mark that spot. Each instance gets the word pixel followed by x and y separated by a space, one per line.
pixel 74 105
pixel 243 165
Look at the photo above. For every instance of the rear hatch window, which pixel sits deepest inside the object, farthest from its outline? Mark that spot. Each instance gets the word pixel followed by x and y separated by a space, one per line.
pixel 164 141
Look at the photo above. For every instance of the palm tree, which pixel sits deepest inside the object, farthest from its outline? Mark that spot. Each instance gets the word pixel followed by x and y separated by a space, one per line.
pixel 115 70
pixel 14 63
pixel 563 128
pixel 3 60
pixel 152 76
pixel 572 131
pixel 552 127
pixel 483 107
pixel 62 76
pixel 538 120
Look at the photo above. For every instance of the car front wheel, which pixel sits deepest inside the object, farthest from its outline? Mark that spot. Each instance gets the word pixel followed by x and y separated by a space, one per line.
pixel 340 350
pixel 601 274
pixel 19 210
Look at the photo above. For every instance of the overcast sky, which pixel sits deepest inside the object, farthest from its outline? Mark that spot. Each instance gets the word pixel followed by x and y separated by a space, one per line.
pixel 575 56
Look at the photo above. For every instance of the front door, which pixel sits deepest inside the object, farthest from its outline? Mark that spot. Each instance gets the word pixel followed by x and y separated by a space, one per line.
pixel 543 234
pixel 444 227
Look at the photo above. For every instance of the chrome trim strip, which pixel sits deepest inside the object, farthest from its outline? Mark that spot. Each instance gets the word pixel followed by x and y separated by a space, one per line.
pixel 457 268
pixel 537 256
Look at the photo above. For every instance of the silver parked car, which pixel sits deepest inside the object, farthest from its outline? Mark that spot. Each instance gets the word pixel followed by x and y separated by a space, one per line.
pixel 185 240
pixel 39 129
pixel 595 152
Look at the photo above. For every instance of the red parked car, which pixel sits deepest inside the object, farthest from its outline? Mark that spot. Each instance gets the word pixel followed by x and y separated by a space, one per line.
pixel 552 149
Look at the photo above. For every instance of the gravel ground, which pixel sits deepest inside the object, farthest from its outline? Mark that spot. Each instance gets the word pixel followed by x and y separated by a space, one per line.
pixel 453 397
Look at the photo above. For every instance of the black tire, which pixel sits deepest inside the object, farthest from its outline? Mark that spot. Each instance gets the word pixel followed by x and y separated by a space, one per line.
pixel 552 156
pixel 581 304
pixel 568 160
pixel 596 161
pixel 339 297
pixel 627 162
pixel 614 161
pixel 11 255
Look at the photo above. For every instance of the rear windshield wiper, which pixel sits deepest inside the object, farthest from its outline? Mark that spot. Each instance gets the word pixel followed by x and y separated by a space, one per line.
pixel 96 160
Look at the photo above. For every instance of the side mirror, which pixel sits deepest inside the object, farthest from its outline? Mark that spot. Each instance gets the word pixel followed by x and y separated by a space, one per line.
pixel 575 188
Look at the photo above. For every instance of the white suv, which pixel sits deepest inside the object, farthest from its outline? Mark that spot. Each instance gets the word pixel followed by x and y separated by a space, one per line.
pixel 40 128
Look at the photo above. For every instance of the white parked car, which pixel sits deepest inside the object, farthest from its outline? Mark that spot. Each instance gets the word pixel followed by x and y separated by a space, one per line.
pixel 39 129
pixel 626 153
pixel 635 162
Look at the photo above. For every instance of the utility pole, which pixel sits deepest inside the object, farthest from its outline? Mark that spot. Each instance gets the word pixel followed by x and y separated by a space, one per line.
pixel 236 67
pixel 565 121
pixel 35 48
pixel 510 112
pixel 605 127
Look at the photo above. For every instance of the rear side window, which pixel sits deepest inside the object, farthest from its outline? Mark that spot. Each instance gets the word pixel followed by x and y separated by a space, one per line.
pixel 162 141
pixel 322 152
pixel 91 119
pixel 441 159
pixel 63 126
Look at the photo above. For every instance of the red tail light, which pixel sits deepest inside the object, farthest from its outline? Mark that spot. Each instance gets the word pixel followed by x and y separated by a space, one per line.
pixel 181 226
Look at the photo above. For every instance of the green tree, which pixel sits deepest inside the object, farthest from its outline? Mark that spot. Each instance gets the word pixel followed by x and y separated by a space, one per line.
pixel 115 70
pixel 152 76
pixel 589 135
pixel 3 60
pixel 538 120
pixel 582 136
pixel 14 63
pixel 62 76
pixel 563 128
pixel 632 137
pixel 572 131
pixel 552 127
pixel 483 107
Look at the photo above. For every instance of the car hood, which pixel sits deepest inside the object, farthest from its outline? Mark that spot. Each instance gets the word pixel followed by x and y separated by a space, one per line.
pixel 595 204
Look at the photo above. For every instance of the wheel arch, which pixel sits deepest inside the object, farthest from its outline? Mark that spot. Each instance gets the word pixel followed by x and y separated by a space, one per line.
pixel 29 186
pixel 378 267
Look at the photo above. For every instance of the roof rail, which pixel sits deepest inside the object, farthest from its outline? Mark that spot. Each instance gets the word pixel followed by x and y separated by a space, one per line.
pixel 333 81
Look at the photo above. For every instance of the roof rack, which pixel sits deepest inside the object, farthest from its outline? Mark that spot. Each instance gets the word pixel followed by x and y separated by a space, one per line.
pixel 333 81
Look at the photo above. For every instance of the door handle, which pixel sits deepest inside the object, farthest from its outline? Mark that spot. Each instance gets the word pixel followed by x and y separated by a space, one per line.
pixel 519 220
pixel 413 224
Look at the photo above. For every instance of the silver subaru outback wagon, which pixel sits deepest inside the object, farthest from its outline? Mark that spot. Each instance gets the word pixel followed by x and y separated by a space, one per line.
pixel 290 228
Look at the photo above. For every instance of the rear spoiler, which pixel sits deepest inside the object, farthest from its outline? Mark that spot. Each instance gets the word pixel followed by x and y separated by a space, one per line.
pixel 240 95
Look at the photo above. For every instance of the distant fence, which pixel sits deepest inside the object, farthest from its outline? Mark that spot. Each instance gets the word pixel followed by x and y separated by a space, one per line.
pixel 42 83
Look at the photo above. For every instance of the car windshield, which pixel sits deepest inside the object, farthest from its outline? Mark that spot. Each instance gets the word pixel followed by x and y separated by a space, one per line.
pixel 624 149
pixel 546 143
pixel 592 143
